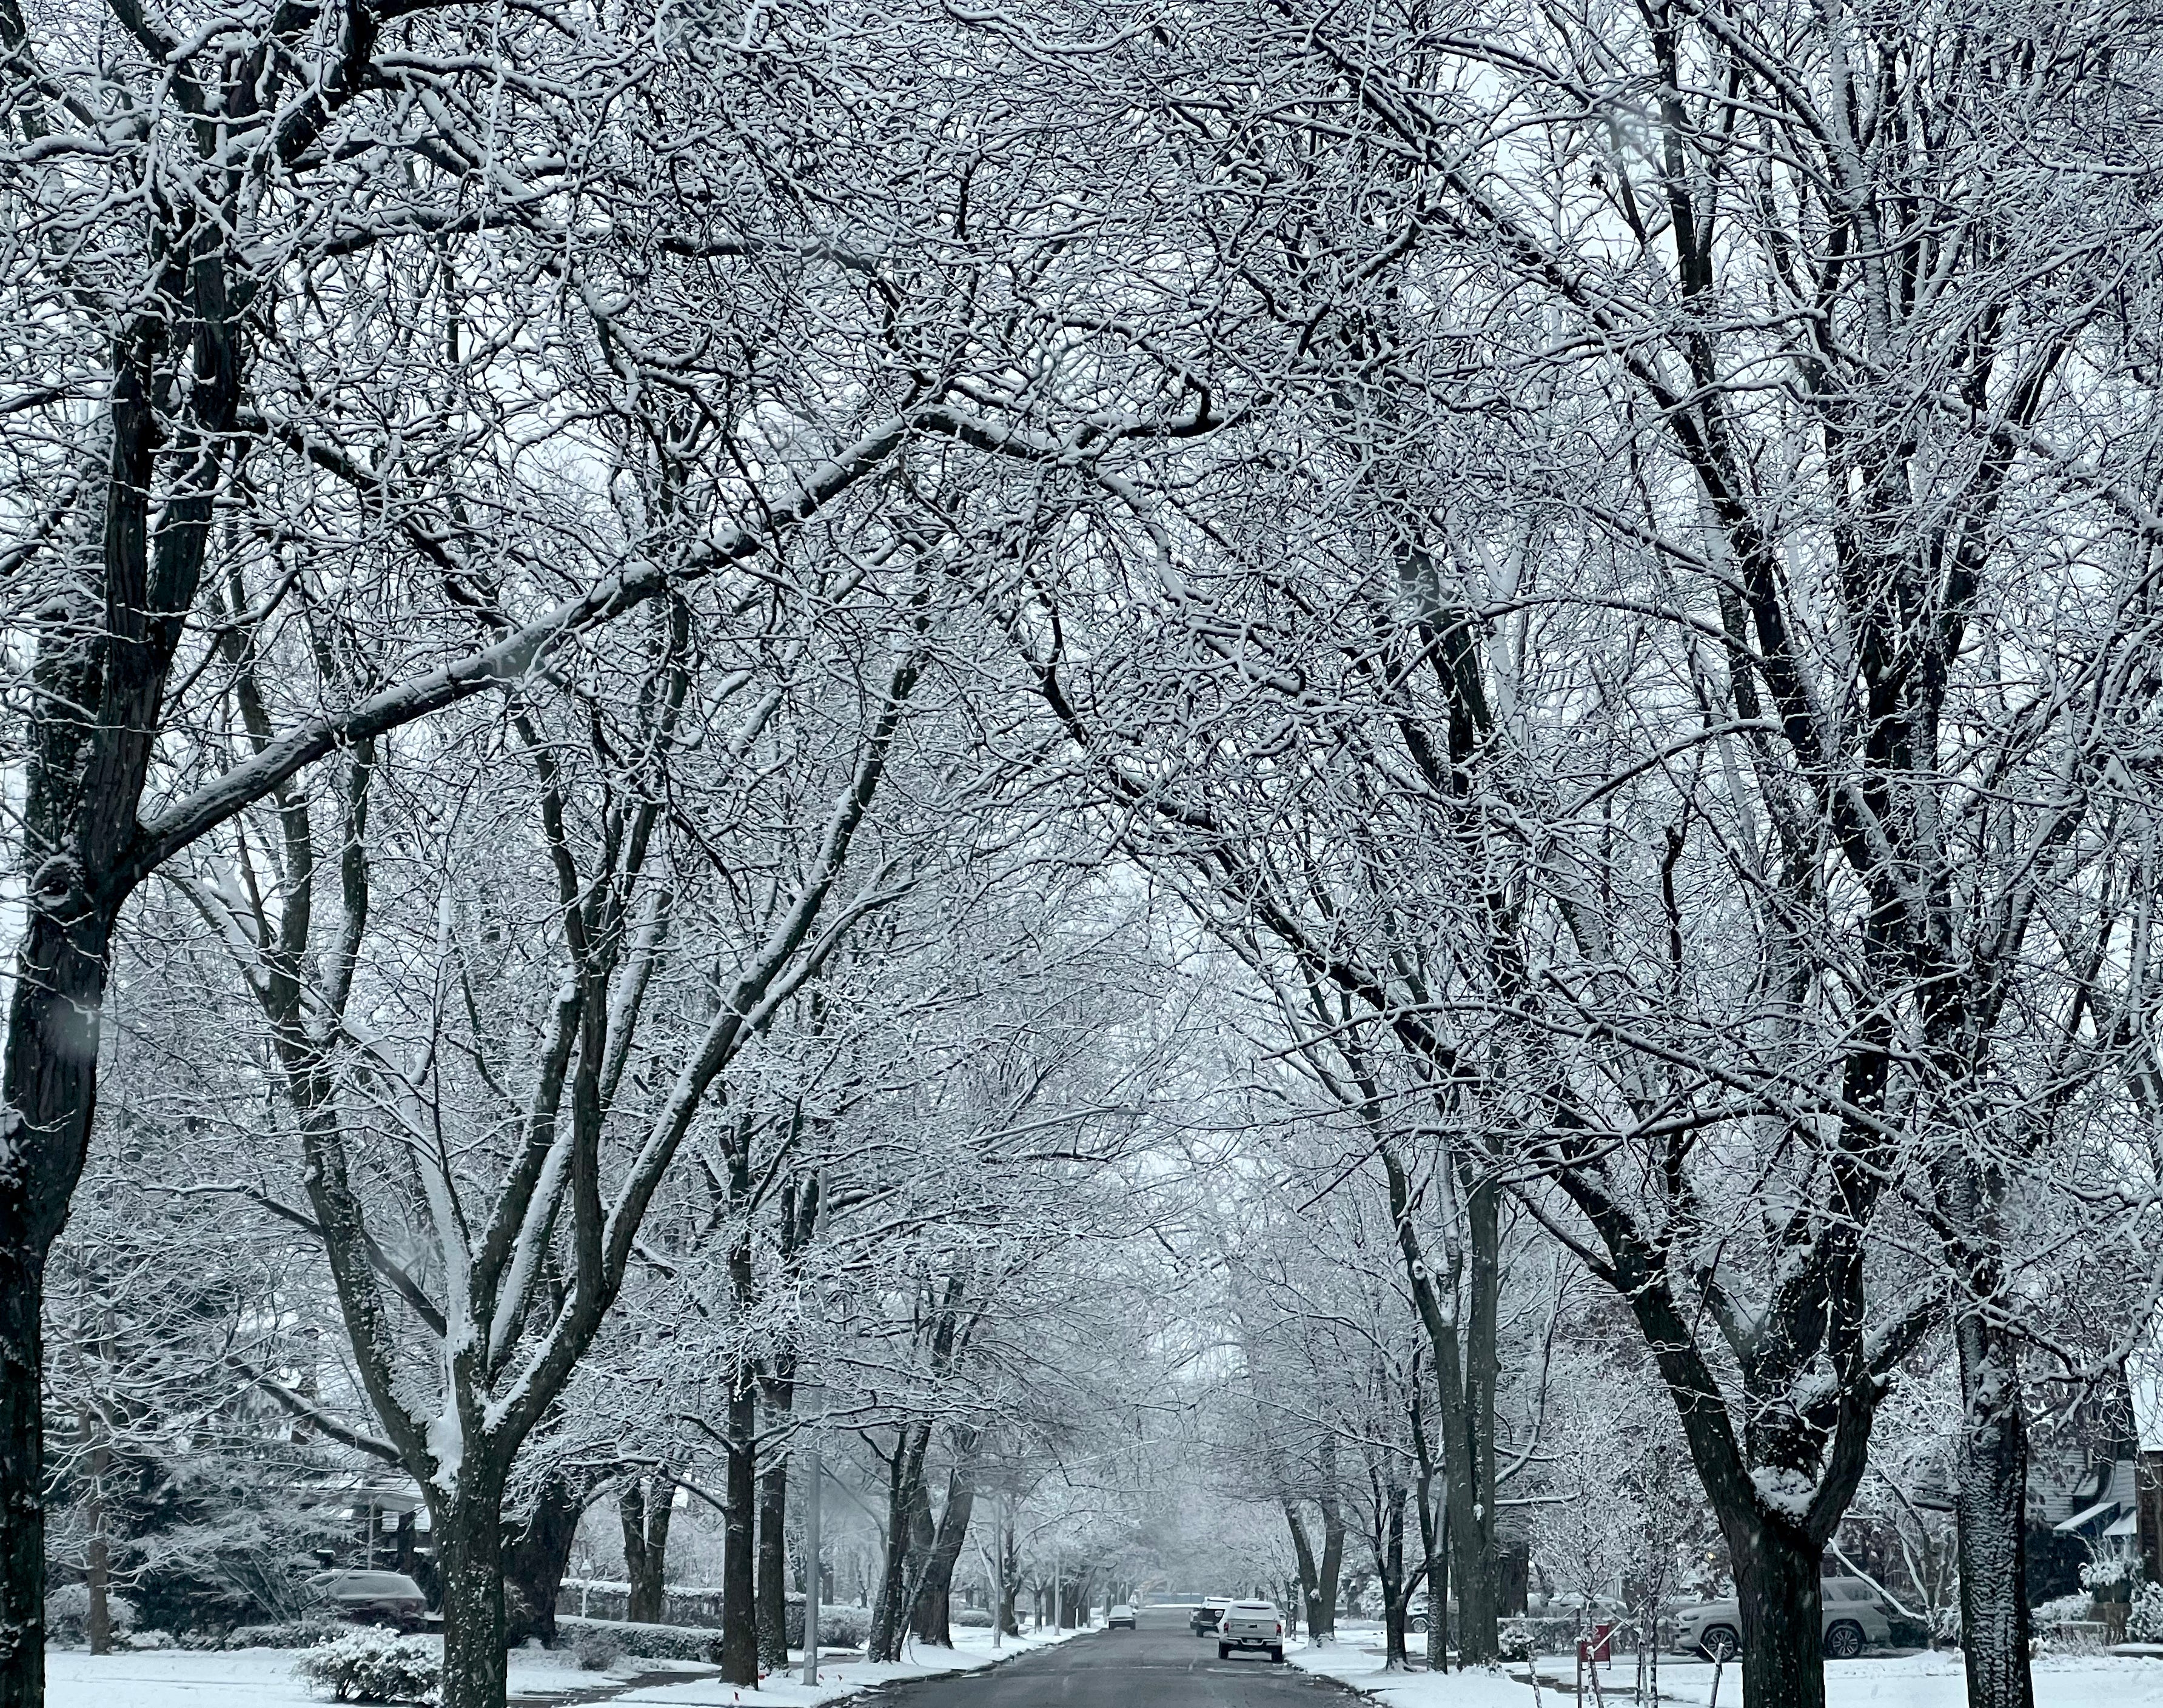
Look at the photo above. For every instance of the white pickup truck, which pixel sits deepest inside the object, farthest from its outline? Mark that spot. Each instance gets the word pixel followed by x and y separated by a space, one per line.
pixel 1251 1625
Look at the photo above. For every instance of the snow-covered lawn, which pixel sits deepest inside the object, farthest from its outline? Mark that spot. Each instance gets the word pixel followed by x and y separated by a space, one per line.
pixel 1906 1681
pixel 263 1678
pixel 972 1652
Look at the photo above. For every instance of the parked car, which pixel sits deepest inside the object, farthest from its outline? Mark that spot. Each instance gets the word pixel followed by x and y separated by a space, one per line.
pixel 1208 1613
pixel 1120 1615
pixel 1852 1615
pixel 373 1598
pixel 1418 1616
pixel 1247 1625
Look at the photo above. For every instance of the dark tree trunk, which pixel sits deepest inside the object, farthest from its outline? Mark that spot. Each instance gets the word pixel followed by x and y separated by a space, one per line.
pixel 1990 1502
pixel 97 1562
pixel 469 1567
pixel 1434 1546
pixel 1309 1576
pixel 1776 1586
pixel 931 1618
pixel 646 1506
pixel 1469 1458
pixel 774 1565
pixel 739 1565
pixel 1333 1540
pixel 904 1483
pixel 536 1555
pixel 22 1462
pixel 1390 1565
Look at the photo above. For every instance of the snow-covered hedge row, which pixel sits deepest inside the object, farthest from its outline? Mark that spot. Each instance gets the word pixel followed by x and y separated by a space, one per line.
pixel 371 1664
pixel 690 1642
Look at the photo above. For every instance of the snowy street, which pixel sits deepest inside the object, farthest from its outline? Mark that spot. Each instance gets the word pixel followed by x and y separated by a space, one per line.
pixel 1161 1665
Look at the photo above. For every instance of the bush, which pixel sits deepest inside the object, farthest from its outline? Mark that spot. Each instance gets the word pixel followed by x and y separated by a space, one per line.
pixel 598 1650
pixel 844 1626
pixel 2144 1622
pixel 1515 1640
pixel 971 1618
pixel 291 1633
pixel 370 1665
pixel 689 1642
pixel 67 1616
pixel 2103 1576
pixel 2061 1609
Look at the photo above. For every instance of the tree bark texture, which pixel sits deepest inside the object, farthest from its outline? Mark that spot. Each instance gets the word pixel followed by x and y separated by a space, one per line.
pixel 468 1525
pixel 1777 1569
pixel 739 1562
pixel 773 1587
pixel 645 1506
pixel 931 1618
pixel 536 1555
pixel 1990 1503
pixel 1309 1575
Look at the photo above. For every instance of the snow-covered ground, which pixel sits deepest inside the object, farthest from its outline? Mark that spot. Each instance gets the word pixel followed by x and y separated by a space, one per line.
pixel 263 1678
pixel 972 1652
pixel 1907 1681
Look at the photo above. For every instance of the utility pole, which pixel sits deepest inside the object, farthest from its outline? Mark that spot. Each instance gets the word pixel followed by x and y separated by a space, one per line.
pixel 813 1476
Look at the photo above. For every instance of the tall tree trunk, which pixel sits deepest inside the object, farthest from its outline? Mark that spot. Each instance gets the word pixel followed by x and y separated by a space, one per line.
pixel 1390 1563
pixel 1332 1503
pixel 1434 1544
pixel 774 1565
pixel 1776 1586
pixel 22 1461
pixel 1468 1449
pixel 931 1618
pixel 536 1555
pixel 97 1560
pixel 739 1568
pixel 1309 1578
pixel 646 1506
pixel 904 1481
pixel 469 1524
pixel 1990 1503
pixel 48 1095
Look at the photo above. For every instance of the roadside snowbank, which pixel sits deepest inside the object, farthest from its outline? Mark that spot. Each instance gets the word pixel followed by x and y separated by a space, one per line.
pixel 263 1678
pixel 972 1652
pixel 1903 1681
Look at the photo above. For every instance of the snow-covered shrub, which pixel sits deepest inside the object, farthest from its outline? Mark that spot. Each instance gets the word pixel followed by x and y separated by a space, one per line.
pixel 290 1633
pixel 691 1642
pixel 2143 1620
pixel 971 1618
pixel 598 1650
pixel 67 1616
pixel 2059 1610
pixel 1515 1640
pixel 370 1664
pixel 2101 1576
pixel 1945 1625
pixel 844 1626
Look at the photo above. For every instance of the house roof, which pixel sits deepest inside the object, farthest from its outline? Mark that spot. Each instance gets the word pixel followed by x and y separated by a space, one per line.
pixel 2086 1516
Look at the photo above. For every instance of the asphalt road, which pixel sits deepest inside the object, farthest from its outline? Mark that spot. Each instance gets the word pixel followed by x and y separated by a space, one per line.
pixel 1161 1665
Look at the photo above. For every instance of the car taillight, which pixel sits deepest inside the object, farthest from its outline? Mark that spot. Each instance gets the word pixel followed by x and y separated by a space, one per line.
pixel 1279 1627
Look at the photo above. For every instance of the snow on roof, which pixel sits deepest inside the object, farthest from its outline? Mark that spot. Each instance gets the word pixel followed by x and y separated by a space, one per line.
pixel 2087 1515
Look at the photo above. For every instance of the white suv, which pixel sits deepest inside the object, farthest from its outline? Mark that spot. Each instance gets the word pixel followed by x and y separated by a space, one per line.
pixel 1850 1613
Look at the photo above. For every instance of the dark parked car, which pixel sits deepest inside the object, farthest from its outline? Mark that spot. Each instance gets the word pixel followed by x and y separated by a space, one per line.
pixel 373 1598
pixel 1208 1613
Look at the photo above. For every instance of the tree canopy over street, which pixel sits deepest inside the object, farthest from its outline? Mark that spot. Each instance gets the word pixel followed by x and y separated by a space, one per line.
pixel 1362 800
